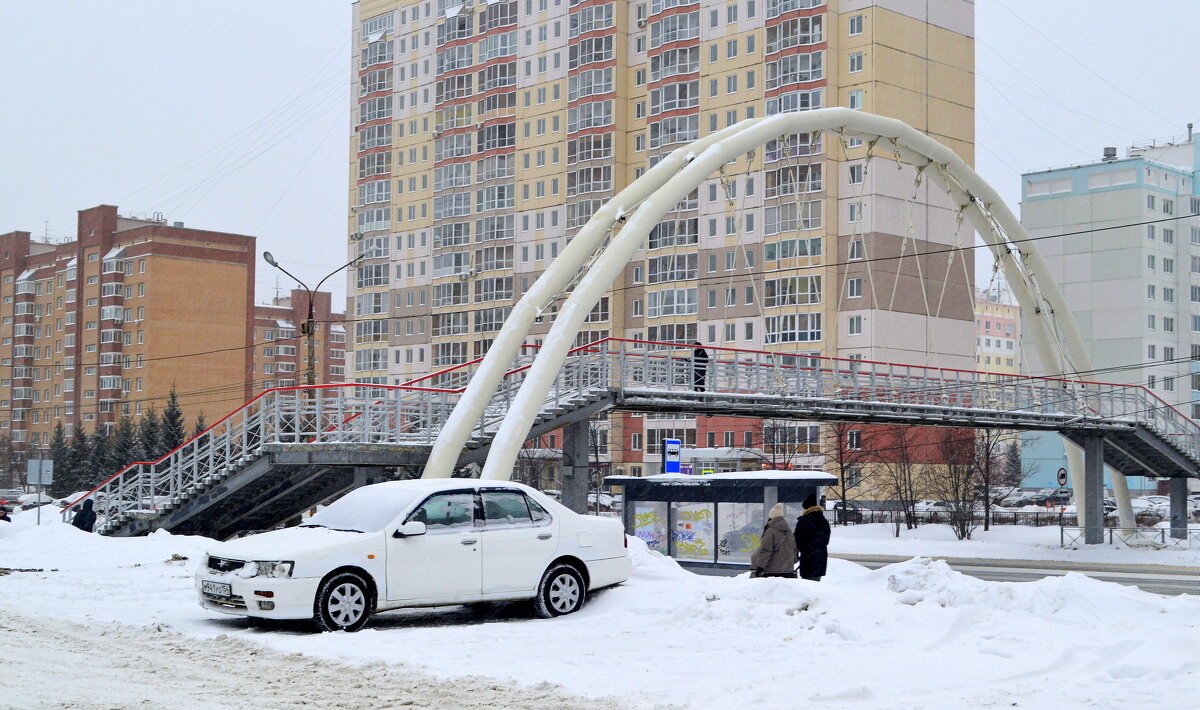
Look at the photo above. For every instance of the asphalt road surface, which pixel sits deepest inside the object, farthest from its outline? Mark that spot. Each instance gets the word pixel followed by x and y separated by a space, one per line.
pixel 1161 579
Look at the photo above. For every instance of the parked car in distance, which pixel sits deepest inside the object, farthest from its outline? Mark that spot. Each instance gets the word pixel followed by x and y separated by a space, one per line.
pixel 845 511
pixel 423 542
pixel 11 495
pixel 931 506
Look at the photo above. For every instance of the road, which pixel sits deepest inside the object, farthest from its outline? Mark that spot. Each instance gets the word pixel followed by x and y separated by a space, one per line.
pixel 1161 579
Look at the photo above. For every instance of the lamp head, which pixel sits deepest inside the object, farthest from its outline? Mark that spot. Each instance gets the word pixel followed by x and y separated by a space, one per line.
pixel 270 259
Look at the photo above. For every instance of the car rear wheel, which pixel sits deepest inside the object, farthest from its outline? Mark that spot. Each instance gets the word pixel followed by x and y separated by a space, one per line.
pixel 562 591
pixel 343 603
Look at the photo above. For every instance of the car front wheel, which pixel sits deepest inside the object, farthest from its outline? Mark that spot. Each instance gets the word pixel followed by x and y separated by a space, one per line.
pixel 562 591
pixel 343 603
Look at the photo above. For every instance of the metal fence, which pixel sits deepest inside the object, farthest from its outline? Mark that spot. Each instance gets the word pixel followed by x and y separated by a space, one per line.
pixel 1070 536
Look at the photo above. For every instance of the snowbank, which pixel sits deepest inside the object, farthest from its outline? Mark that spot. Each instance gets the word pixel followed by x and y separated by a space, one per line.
pixel 912 635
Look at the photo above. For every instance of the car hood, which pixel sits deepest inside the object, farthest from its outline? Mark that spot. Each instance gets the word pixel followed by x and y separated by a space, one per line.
pixel 288 544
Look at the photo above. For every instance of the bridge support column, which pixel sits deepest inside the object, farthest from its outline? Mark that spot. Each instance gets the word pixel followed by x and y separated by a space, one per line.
pixel 1179 521
pixel 1093 491
pixel 575 466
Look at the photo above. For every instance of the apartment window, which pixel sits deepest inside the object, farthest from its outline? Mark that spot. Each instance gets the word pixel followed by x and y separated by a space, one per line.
pixel 854 325
pixel 855 99
pixel 856 250
pixel 856 63
pixel 854 288
pixel 856 174
pixel 856 25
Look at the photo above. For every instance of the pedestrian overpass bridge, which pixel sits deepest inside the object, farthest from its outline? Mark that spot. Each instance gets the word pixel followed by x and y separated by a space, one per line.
pixel 291 448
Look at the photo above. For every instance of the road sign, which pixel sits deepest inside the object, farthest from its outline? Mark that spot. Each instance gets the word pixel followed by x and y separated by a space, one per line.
pixel 671 450
pixel 1062 476
pixel 39 472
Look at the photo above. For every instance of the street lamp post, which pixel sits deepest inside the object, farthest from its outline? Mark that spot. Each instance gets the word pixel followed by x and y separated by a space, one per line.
pixel 308 328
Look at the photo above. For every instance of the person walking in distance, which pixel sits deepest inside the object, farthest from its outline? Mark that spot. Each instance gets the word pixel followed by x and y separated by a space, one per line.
pixel 812 540
pixel 699 366
pixel 776 553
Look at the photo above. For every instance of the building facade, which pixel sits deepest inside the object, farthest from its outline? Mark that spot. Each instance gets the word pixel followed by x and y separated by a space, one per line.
pixel 281 349
pixel 488 133
pixel 997 331
pixel 1129 266
pixel 105 326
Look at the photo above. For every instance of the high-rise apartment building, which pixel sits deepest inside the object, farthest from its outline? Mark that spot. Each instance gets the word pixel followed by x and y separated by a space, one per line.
pixel 106 325
pixel 488 133
pixel 1128 262
pixel 997 331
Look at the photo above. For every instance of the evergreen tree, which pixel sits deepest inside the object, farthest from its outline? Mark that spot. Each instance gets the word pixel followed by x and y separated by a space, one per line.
pixel 96 466
pixel 124 445
pixel 69 478
pixel 173 431
pixel 58 446
pixel 149 437
pixel 201 425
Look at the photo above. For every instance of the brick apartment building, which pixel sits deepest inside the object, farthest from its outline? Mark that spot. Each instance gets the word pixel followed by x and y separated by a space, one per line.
pixel 104 326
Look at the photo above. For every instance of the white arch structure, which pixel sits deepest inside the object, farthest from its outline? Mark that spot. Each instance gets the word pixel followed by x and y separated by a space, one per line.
pixel 634 211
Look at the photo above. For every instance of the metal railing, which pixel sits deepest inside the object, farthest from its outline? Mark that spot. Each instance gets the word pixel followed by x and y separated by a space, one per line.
pixel 413 413
pixel 1072 536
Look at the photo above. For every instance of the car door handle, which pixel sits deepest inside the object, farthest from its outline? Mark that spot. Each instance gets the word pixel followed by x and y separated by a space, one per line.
pixel 544 536
pixel 469 541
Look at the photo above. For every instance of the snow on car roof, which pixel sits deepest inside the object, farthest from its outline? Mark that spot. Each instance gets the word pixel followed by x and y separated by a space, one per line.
pixel 437 484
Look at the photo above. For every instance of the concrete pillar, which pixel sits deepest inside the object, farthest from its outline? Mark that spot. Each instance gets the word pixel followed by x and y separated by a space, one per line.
pixel 770 498
pixel 575 466
pixel 1093 491
pixel 1179 522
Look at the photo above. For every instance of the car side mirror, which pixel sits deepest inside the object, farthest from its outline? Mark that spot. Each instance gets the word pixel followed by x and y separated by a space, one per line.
pixel 409 529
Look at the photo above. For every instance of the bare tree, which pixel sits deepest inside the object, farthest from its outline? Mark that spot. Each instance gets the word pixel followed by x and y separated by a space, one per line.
pixel 952 478
pixel 783 444
pixel 901 472
pixel 848 448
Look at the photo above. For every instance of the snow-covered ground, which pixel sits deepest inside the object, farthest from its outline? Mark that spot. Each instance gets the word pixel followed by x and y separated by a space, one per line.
pixel 911 635
pixel 1002 542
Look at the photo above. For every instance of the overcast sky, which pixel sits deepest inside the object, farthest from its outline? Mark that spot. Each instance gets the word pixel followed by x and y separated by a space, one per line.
pixel 232 114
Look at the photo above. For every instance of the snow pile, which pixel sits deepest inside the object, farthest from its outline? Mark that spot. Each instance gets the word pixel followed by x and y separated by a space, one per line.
pixel 913 635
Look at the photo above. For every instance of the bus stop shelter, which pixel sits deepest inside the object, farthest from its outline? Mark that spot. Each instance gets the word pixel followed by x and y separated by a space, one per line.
pixel 714 520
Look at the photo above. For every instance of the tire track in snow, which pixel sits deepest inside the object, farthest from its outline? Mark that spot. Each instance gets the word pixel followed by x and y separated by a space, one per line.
pixel 50 663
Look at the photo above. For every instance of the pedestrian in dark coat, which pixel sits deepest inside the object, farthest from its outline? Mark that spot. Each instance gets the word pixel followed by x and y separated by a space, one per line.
pixel 776 553
pixel 4 515
pixel 699 366
pixel 85 519
pixel 812 540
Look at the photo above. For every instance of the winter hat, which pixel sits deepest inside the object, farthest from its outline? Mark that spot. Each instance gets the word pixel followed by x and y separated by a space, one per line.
pixel 811 500
pixel 776 511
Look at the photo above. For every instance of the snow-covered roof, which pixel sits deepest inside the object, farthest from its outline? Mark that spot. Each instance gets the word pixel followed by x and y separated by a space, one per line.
pixel 285 324
pixel 338 329
pixel 114 253
pixel 26 275
pixel 732 476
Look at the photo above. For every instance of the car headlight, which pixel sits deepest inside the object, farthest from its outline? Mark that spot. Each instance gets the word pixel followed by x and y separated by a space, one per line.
pixel 260 568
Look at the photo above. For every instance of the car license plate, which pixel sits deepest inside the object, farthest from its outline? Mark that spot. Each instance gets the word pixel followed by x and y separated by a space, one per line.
pixel 217 589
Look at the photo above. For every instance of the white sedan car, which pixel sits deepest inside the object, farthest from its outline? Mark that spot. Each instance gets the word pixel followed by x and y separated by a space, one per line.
pixel 423 542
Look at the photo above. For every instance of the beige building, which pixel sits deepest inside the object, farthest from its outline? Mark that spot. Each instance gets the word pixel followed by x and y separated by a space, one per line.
pixel 487 134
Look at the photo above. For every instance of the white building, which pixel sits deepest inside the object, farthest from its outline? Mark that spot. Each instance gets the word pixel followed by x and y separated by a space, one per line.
pixel 1128 262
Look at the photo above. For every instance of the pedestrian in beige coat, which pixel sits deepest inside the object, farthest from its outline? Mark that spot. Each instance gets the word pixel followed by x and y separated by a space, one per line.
pixel 776 554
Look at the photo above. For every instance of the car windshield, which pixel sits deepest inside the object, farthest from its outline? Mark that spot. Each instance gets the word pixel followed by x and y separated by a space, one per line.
pixel 363 510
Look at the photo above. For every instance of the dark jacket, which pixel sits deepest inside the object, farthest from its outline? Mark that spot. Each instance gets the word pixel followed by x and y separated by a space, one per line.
pixel 4 518
pixel 700 359
pixel 812 541
pixel 776 553
pixel 85 519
